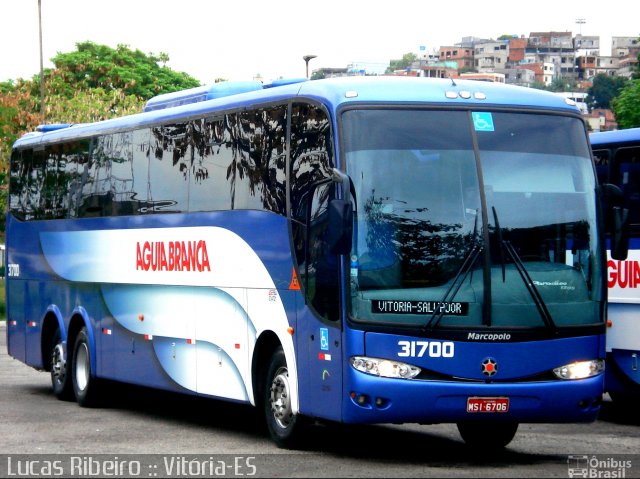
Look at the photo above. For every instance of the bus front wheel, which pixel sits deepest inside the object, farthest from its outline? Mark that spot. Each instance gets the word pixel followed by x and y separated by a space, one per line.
pixel 624 401
pixel 84 384
pixel 284 426
pixel 480 434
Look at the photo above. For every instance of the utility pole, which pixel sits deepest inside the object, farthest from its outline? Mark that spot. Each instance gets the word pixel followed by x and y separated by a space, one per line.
pixel 580 22
pixel 41 62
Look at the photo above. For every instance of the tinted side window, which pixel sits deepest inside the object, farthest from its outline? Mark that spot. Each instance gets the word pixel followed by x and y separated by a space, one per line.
pixel 44 183
pixel 602 159
pixel 209 189
pixel 260 163
pixel 18 190
pixel 50 198
pixel 35 174
pixel 72 167
pixel 99 183
pixel 627 176
pixel 172 156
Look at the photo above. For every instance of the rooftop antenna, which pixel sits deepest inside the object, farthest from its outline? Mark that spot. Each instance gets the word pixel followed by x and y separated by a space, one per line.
pixel 452 82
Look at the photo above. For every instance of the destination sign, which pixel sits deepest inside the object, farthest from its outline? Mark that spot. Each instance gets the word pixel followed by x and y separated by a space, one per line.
pixel 390 306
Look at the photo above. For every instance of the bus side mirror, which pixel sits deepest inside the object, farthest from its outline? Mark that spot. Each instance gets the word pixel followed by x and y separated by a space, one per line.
pixel 340 228
pixel 620 237
pixel 611 194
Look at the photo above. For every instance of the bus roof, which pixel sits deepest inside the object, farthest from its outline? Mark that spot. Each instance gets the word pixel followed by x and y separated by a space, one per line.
pixel 630 135
pixel 333 92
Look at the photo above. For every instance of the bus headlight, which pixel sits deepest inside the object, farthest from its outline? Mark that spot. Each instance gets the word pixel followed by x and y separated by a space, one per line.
pixel 385 368
pixel 580 369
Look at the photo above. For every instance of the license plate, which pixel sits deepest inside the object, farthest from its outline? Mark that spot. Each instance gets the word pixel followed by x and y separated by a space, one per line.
pixel 491 405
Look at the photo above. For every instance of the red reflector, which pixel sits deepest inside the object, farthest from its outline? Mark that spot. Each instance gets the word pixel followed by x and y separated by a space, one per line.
pixel 148 337
pixel 191 341
pixel 106 331
pixel 237 345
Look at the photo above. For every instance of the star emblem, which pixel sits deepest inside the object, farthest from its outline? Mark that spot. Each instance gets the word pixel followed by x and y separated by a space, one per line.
pixel 489 367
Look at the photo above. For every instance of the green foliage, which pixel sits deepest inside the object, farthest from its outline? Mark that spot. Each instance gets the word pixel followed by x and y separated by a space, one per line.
pixel 626 105
pixel 92 105
pixel 94 83
pixel 131 71
pixel 6 87
pixel 538 85
pixel 558 84
pixel 604 89
pixel 405 62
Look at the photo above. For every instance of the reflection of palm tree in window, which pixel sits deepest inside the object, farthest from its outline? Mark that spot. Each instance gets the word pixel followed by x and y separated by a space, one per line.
pixel 397 234
pixel 256 143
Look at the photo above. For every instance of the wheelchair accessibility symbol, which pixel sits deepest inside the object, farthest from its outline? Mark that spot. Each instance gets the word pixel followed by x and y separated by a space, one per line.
pixel 483 121
pixel 324 339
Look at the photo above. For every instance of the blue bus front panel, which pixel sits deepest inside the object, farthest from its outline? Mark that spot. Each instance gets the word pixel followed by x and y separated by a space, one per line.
pixel 521 388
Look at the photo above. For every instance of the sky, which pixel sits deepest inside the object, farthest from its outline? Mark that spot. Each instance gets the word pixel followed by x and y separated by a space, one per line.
pixel 243 39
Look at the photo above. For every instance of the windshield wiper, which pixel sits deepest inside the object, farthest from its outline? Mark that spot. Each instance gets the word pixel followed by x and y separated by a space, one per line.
pixel 461 275
pixel 524 274
pixel 500 242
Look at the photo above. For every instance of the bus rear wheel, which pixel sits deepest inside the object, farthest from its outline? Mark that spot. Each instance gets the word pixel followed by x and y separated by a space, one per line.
pixel 60 382
pixel 84 384
pixel 284 426
pixel 482 434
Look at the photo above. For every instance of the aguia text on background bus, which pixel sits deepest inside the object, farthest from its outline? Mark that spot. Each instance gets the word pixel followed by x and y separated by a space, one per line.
pixel 359 250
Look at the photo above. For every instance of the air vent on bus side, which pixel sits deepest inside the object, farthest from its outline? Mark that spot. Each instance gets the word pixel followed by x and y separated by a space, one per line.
pixel 202 93
pixel 209 92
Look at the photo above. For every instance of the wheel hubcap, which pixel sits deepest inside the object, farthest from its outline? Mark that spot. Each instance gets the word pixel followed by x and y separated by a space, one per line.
pixel 82 367
pixel 280 399
pixel 58 363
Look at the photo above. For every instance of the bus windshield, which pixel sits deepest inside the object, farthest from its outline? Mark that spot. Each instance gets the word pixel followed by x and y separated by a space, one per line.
pixel 467 219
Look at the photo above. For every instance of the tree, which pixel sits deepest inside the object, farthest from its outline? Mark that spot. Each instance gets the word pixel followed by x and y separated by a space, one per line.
pixel 636 74
pixel 558 84
pixel 539 85
pixel 402 64
pixel 91 84
pixel 626 105
pixel 131 71
pixel 604 89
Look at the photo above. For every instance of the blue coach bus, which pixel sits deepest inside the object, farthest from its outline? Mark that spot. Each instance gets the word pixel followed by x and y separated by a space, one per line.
pixel 357 250
pixel 617 156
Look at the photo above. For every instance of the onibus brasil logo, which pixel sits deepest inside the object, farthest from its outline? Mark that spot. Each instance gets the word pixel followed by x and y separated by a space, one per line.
pixel 594 466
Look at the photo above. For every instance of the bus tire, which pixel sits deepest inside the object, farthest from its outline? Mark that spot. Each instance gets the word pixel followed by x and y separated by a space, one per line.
pixel 84 384
pixel 483 434
pixel 285 427
pixel 624 401
pixel 60 373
